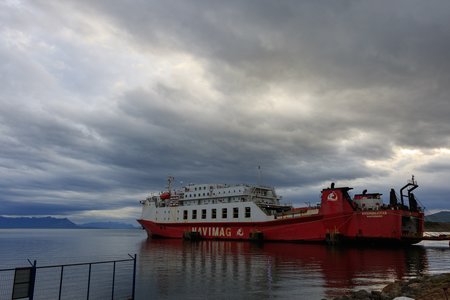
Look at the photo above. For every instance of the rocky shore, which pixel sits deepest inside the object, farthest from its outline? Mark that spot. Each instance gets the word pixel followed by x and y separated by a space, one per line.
pixel 434 287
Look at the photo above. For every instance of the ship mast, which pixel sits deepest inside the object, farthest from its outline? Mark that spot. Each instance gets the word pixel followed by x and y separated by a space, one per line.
pixel 410 186
pixel 170 180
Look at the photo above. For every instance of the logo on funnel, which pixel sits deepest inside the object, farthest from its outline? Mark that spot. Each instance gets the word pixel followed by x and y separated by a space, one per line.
pixel 332 196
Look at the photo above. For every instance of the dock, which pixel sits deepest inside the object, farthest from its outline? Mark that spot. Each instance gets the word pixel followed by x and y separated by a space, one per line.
pixel 440 237
pixel 437 236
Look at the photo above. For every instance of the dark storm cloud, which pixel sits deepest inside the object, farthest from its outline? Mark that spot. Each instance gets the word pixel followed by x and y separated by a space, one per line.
pixel 207 148
pixel 378 65
pixel 310 91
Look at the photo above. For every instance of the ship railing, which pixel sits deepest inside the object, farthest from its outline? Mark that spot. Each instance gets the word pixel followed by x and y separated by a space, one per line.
pixel 297 213
pixel 387 207
pixel 173 203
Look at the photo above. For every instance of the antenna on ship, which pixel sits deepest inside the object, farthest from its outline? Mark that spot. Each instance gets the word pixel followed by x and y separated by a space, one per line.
pixel 259 175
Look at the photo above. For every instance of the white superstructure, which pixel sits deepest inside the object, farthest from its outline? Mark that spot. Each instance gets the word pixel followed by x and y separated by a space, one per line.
pixel 217 203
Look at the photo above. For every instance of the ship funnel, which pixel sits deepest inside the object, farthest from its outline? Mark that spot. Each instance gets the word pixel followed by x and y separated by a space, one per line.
pixel 336 200
pixel 393 198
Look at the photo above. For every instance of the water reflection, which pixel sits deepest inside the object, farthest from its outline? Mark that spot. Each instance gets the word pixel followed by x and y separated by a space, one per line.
pixel 173 268
pixel 342 269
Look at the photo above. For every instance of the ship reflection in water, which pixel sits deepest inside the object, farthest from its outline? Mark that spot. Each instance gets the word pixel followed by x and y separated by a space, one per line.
pixel 175 269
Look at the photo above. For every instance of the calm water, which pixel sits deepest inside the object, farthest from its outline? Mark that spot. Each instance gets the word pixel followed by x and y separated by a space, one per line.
pixel 173 269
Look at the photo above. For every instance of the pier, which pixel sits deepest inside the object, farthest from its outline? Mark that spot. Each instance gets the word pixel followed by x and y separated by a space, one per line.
pixel 437 236
pixel 440 237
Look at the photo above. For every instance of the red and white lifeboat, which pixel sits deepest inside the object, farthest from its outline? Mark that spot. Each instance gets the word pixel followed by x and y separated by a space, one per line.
pixel 165 196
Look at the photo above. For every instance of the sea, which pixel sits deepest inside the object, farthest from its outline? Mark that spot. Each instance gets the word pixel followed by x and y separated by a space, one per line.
pixel 177 269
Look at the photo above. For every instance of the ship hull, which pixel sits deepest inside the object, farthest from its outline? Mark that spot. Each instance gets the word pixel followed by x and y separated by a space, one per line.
pixel 384 226
pixel 241 212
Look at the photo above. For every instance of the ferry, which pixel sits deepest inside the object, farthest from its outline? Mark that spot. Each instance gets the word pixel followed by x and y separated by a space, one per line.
pixel 255 213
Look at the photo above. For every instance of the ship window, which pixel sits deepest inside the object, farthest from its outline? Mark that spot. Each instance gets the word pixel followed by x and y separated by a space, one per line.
pixel 235 212
pixel 203 213
pixel 247 212
pixel 185 214
pixel 213 213
pixel 194 214
pixel 224 213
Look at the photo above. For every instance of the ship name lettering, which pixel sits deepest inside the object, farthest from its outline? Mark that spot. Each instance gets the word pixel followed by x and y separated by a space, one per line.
pixel 213 231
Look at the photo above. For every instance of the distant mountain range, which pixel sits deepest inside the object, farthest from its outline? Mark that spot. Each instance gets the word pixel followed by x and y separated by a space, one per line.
pixel 107 225
pixel 50 222
pixel 441 217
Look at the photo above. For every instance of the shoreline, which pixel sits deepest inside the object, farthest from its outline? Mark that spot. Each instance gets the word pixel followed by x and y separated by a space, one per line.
pixel 435 287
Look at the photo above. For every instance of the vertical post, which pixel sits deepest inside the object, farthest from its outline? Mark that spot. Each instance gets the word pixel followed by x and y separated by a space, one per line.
pixel 32 280
pixel 134 276
pixel 113 280
pixel 60 281
pixel 89 282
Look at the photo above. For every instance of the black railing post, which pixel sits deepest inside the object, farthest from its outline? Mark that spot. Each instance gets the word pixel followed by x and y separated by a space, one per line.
pixel 60 281
pixel 32 280
pixel 134 276
pixel 89 282
pixel 113 280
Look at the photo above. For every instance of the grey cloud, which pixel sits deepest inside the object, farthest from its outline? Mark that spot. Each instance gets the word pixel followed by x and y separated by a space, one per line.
pixel 375 74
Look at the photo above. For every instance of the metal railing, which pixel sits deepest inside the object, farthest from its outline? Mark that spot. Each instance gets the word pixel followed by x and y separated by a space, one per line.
pixel 112 279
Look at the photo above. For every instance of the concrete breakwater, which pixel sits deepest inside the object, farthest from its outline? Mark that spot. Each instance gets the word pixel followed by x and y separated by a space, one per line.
pixel 430 287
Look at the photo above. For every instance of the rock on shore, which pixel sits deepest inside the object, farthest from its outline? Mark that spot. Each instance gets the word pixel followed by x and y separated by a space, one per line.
pixel 435 287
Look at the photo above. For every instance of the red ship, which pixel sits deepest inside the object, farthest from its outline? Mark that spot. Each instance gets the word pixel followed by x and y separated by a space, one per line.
pixel 254 212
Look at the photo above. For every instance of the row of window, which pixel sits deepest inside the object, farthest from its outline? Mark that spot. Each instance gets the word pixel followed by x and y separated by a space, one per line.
pixel 204 188
pixel 213 213
pixel 208 194
pixel 199 188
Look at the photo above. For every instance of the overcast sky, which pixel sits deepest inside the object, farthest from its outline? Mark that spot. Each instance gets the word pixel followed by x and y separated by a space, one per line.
pixel 101 100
